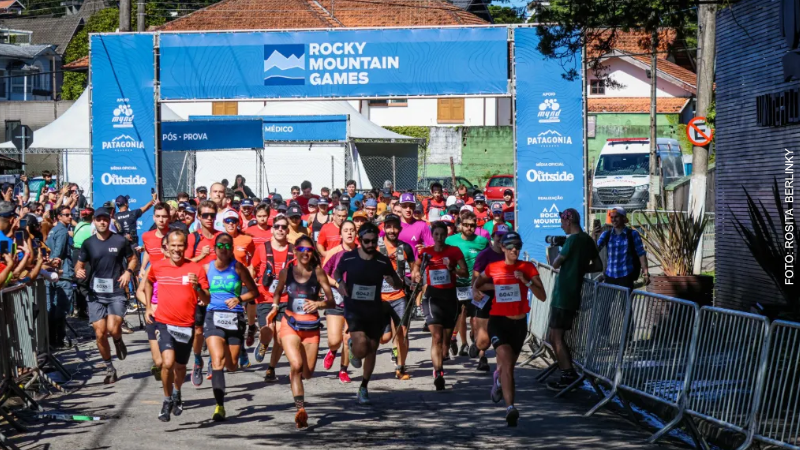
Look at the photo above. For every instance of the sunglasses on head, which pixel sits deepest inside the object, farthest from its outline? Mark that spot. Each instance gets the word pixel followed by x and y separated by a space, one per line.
pixel 231 220
pixel 281 227
pixel 224 245
pixel 208 215
pixel 304 249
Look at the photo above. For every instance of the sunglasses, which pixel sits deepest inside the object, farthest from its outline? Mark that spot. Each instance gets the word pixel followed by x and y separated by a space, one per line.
pixel 304 249
pixel 295 192
pixel 514 246
pixel 231 220
pixel 281 227
pixel 208 215
pixel 468 224
pixel 225 246
pixel 369 241
pixel 64 215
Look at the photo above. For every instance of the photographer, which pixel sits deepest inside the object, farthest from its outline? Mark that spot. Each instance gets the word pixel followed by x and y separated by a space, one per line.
pixel 577 257
pixel 626 254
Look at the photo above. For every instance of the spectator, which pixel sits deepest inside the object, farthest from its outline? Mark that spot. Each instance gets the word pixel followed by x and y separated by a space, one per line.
pixel 242 189
pixel 577 257
pixel 626 254
pixel 225 182
pixel 355 198
pixel 38 211
pixel 183 197
pixel 81 232
pixel 202 194
pixel 59 293
pixel 49 183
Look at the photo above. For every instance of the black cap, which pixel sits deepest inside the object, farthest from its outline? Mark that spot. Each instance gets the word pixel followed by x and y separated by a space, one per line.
pixel 508 191
pixel 294 211
pixel 386 192
pixel 277 198
pixel 108 205
pixel 201 189
pixel 344 199
pixel 121 200
pixel 453 209
pixel 266 200
pixel 313 202
pixel 99 212
pixel 392 218
pixel 512 237
pixel 281 207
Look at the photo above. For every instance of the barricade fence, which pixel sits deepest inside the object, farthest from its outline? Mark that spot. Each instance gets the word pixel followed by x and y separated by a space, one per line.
pixel 726 367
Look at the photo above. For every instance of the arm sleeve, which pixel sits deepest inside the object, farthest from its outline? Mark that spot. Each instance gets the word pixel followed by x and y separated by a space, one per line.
pixel 637 243
pixel 138 214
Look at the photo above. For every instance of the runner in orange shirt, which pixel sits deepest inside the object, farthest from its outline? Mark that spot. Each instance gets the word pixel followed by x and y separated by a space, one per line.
pixel 330 235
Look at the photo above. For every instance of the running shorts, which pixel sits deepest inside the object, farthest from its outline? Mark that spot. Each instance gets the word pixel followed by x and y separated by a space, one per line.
pixel 505 331
pixel 372 323
pixel 395 309
pixel 231 337
pixel 306 336
pixel 167 341
pixel 99 309
pixel 440 308
pixel 263 309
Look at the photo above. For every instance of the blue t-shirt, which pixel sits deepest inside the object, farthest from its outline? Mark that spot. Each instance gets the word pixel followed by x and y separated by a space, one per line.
pixel 223 285
pixel 353 200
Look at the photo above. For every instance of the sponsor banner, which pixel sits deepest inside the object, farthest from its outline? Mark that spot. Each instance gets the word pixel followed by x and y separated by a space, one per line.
pixel 550 174
pixel 297 128
pixel 211 135
pixel 122 110
pixel 352 63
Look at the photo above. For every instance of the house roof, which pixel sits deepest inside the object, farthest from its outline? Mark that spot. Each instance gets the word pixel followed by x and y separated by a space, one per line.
pixel 23 51
pixel 5 4
pixel 641 105
pixel 47 30
pixel 672 69
pixel 78 64
pixel 603 41
pixel 298 14
pixel 478 7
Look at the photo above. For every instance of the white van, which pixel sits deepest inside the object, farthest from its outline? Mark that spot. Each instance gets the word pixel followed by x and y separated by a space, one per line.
pixel 621 176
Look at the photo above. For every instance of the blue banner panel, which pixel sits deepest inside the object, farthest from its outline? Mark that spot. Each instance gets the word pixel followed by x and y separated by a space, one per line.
pixel 123 118
pixel 352 63
pixel 211 135
pixel 549 136
pixel 296 128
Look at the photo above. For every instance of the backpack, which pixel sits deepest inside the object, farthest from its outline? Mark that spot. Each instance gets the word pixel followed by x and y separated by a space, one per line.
pixel 269 271
pixel 637 265
pixel 197 239
pixel 399 256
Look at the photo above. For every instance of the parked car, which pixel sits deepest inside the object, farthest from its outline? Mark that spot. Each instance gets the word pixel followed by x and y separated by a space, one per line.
pixel 497 185
pixel 424 185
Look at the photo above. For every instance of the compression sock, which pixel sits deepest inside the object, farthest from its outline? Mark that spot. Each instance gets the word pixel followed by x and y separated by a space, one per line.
pixel 218 385
pixel 400 368
pixel 364 383
pixel 299 401
pixel 108 363
pixel 198 359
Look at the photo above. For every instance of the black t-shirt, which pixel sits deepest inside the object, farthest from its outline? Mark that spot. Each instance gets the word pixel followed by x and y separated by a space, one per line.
pixel 107 259
pixel 364 279
pixel 127 221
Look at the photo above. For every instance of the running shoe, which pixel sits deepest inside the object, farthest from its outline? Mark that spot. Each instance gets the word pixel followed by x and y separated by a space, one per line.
pixel 446 357
pixel 356 362
pixel 564 382
pixel 394 355
pixel 401 375
pixel 330 357
pixel 210 367
pixel 111 375
pixel 156 372
pixel 219 414
pixel 473 351
pixel 251 336
pixel 344 377
pixel 454 347
pixel 497 390
pixel 244 359
pixel 512 416
pixel 301 419
pixel 122 350
pixel 463 351
pixel 177 408
pixel 197 373
pixel 363 396
pixel 425 327
pixel 261 352
pixel 438 380
pixel 166 410
pixel 126 329
pixel 483 364
pixel 270 377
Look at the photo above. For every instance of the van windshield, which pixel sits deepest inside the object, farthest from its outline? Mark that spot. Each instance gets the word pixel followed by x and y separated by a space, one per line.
pixel 623 164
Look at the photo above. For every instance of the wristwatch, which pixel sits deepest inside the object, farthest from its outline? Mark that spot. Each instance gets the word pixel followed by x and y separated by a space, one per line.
pixel 529 283
pixel 240 299
pixel 129 271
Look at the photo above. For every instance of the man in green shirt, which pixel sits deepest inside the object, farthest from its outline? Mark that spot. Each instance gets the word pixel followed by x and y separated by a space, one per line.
pixel 578 256
pixel 497 219
pixel 470 245
pixel 80 232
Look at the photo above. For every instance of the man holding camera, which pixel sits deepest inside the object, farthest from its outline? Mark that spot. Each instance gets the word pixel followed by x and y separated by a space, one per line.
pixel 577 257
pixel 626 254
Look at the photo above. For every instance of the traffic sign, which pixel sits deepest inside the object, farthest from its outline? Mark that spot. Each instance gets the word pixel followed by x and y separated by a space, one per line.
pixel 698 132
pixel 22 137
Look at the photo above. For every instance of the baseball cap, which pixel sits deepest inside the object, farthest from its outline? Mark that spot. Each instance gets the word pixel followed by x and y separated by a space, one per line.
pixel 500 229
pixel 508 191
pixel 386 192
pixel 313 202
pixel 99 212
pixel 360 215
pixel 371 203
pixel 109 205
pixel 121 200
pixel 88 211
pixel 480 198
pixel 172 204
pixel 512 237
pixel 391 218
pixel 230 215
pixel 620 210
pixel 183 205
pixel 497 208
pixel 453 209
pixel 447 218
pixel 466 208
pixel 294 211
pixel 408 197
pixel 247 202
pixel 277 198
pixel 201 189
pixel 191 209
pixel 323 201
pixel 344 199
pixel 574 216
pixel 266 200
pixel 7 209
pixel 419 208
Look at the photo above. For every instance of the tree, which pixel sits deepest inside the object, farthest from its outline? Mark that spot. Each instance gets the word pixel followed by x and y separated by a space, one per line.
pixel 505 14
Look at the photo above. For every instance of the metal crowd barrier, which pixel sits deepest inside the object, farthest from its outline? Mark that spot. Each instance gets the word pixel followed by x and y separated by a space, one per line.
pixel 539 316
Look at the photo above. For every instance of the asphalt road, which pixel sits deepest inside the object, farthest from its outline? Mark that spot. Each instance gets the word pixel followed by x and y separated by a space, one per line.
pixel 407 414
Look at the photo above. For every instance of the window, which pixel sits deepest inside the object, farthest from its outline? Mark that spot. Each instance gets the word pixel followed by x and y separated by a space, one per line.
pixel 389 102
pixel 225 108
pixel 501 182
pixel 18 82
pixel 3 85
pixel 10 126
pixel 591 126
pixel 598 87
pixel 451 110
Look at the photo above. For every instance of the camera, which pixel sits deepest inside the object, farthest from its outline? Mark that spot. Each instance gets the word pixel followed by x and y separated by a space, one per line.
pixel 557 241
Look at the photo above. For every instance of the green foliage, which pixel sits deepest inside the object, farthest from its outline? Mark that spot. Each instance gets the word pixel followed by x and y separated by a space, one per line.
pixel 415 132
pixel 505 14
pixel 104 21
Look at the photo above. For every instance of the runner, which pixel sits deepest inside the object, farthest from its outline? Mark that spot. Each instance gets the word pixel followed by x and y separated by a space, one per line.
pixel 301 323
pixel 106 252
pixel 150 327
pixel 268 261
pixel 319 218
pixel 359 218
pixel 402 257
pixel 386 201
pixel 482 212
pixel 199 246
pixel 189 218
pixel 416 233
pixel 508 206
pixel 330 234
pixel 243 250
pixel 246 213
pixel 182 285
pixel 335 316
pixel 306 196
pixel 359 276
pixel 508 328
pixel 262 232
pixel 497 218
pixel 439 303
pixel 371 209
pixel 482 300
pixel 354 197
pixel 231 287
pixel 296 227
pixel 470 245
pixel 434 207
pixel 154 243
pixel 201 194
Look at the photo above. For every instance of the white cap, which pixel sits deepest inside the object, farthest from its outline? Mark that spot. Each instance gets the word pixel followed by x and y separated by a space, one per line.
pixel 467 208
pixel 451 200
pixel 447 218
pixel 230 214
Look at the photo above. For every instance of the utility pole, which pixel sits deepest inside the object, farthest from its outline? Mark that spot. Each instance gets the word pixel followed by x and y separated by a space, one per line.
pixel 124 16
pixel 140 16
pixel 654 179
pixel 706 54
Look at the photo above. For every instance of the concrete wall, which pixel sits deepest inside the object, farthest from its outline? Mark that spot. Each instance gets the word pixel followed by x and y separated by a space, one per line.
pixel 629 125
pixel 35 114
pixel 484 151
pixel 423 112
pixel 634 82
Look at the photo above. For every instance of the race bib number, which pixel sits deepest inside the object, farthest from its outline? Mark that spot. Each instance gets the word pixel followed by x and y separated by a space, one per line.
pixel 481 303
pixel 103 285
pixel 440 277
pixel 180 334
pixel 226 320
pixel 507 293
pixel 337 297
pixel 297 305
pixel 387 288
pixel 273 286
pixel 463 293
pixel 363 292
pixel 508 216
